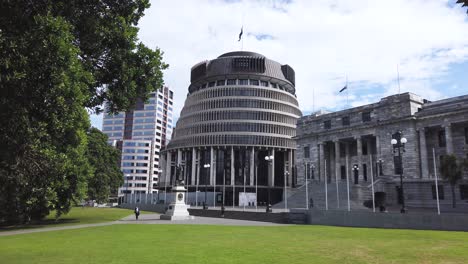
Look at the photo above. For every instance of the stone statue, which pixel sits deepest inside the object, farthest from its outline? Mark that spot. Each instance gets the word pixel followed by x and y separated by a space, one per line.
pixel 179 175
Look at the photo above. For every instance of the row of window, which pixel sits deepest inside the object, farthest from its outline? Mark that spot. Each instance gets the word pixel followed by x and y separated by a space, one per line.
pixel 133 164
pixel 252 82
pixel 143 133
pixel 126 157
pixel 134 171
pixel 352 147
pixel 248 140
pixel 135 144
pixel 236 115
pixel 241 103
pixel 345 121
pixel 113 122
pixel 116 134
pixel 129 150
pixel 241 91
pixel 237 127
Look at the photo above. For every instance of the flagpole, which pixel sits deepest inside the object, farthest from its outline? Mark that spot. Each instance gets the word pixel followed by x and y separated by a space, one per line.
pixel 347 181
pixel 256 187
pixel 307 192
pixel 436 184
pixel 245 195
pixel 372 182
pixel 214 183
pixel 347 92
pixel 326 188
pixel 313 98
pixel 242 47
pixel 398 78
pixel 336 182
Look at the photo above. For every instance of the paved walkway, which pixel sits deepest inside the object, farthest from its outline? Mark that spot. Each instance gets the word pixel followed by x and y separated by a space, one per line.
pixel 199 220
pixel 147 219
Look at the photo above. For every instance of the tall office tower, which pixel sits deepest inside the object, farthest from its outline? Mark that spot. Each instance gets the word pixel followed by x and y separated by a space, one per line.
pixel 140 134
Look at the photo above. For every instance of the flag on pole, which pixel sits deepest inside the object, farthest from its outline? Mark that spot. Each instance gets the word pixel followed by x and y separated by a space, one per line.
pixel 344 88
pixel 240 34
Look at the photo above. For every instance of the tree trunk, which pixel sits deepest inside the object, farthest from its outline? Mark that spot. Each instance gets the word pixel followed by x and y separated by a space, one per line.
pixel 453 196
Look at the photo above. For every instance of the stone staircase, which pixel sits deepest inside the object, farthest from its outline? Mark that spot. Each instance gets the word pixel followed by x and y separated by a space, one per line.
pixel 316 190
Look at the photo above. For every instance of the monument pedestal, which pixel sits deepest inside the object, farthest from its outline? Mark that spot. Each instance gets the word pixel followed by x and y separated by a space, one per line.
pixel 178 209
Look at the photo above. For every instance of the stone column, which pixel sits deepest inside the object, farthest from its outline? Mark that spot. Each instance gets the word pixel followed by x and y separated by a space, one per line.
pixel 337 160
pixel 448 139
pixel 179 157
pixel 423 153
pixel 212 166
pixel 168 168
pixel 252 167
pixel 349 165
pixel 194 162
pixel 200 166
pixel 290 169
pixel 359 154
pixel 272 167
pixel 321 162
pixel 232 166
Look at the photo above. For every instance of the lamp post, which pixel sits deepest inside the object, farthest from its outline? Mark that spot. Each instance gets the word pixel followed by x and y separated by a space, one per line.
pixel 206 166
pixel 269 160
pixel 126 187
pixel 286 173
pixel 380 169
pixel 398 143
pixel 356 173
pixel 159 180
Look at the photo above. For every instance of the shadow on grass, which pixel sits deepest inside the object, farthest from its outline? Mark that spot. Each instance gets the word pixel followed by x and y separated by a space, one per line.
pixel 38 224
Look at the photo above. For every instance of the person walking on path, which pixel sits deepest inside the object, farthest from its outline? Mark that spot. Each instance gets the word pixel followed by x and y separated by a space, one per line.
pixel 137 212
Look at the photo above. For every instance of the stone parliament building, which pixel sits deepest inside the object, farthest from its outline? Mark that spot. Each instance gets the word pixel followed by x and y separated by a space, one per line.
pixel 356 142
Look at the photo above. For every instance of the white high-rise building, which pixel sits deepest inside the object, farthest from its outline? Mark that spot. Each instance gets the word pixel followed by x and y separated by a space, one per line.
pixel 140 134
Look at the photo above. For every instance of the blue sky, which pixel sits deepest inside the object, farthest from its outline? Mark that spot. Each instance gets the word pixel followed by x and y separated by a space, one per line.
pixel 324 41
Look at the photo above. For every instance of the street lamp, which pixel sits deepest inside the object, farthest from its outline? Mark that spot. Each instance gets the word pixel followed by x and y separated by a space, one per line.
pixel 380 162
pixel 311 175
pixel 126 187
pixel 286 174
pixel 206 166
pixel 159 171
pixel 356 173
pixel 269 159
pixel 398 143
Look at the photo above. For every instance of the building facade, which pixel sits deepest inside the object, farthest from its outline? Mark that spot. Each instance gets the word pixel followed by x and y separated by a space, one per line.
pixel 353 145
pixel 140 134
pixel 241 107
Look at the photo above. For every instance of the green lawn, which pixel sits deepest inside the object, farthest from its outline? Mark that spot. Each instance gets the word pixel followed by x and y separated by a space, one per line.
pixel 131 243
pixel 78 216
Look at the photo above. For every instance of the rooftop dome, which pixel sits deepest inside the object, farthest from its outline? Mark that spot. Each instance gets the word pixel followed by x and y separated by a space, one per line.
pixel 241 53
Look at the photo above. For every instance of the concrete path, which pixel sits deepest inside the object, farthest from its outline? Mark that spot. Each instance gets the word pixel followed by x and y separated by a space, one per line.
pixel 154 219
pixel 57 228
pixel 146 219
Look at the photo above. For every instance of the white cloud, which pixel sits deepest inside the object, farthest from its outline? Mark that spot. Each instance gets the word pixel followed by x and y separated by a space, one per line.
pixel 322 40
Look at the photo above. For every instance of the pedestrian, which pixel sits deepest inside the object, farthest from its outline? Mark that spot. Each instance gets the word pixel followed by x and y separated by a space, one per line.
pixel 137 212
pixel 222 210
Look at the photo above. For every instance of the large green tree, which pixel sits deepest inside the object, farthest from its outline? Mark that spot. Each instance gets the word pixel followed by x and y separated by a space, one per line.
pixel 451 171
pixel 58 60
pixel 104 160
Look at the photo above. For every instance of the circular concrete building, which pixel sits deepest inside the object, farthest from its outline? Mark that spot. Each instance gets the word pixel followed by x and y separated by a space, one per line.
pixel 241 107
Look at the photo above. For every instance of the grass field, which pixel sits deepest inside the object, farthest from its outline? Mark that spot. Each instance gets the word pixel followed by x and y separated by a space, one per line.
pixel 131 243
pixel 78 216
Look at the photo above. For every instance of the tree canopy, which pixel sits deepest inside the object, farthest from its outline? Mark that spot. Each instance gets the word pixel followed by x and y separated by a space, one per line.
pixel 58 60
pixel 104 159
